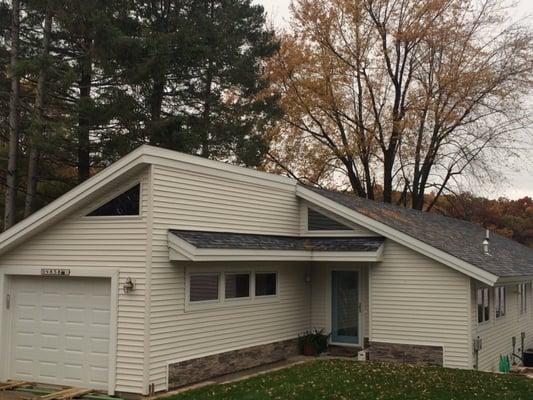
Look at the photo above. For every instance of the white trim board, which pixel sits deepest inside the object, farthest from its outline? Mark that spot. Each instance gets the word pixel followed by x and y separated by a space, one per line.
pixel 181 250
pixel 397 236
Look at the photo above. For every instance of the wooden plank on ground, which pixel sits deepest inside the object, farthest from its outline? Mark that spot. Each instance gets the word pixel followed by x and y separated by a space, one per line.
pixel 75 393
pixel 12 385
pixel 56 395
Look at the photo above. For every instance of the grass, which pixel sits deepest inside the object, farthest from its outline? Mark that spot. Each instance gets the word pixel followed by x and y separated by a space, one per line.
pixel 345 379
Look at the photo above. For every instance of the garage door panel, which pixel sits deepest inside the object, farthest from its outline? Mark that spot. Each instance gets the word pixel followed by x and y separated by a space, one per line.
pixel 60 330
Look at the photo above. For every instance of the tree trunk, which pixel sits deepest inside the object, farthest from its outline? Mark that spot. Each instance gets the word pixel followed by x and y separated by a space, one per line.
pixel 84 123
pixel 156 106
pixel 38 134
pixel 14 100
pixel 206 115
pixel 388 163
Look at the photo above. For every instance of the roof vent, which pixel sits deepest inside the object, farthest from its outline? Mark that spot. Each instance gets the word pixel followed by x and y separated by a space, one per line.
pixel 486 243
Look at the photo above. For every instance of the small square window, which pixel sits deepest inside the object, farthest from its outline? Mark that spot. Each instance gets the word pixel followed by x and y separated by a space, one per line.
pixel 203 287
pixel 265 284
pixel 237 285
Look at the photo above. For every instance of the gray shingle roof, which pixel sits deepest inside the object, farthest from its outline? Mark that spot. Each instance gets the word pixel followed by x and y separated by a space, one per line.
pixel 459 238
pixel 243 241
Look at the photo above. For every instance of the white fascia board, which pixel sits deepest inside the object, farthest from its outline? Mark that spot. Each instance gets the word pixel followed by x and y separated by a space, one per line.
pixel 181 250
pixel 173 159
pixel 69 201
pixel 397 236
pixel 514 279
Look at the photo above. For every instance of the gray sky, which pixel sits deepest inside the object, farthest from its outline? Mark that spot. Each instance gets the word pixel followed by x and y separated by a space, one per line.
pixel 518 177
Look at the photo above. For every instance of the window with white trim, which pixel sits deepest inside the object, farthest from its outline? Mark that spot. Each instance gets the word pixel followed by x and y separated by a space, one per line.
pixel 483 305
pixel 236 285
pixel 317 221
pixel 212 287
pixel 125 204
pixel 266 284
pixel 203 287
pixel 499 301
pixel 523 297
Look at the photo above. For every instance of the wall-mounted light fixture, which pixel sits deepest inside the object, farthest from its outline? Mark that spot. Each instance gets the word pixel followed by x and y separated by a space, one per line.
pixel 128 286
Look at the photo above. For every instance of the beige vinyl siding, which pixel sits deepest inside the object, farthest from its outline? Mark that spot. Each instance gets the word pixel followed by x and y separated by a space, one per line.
pixel 321 293
pixel 93 242
pixel 496 334
pixel 415 300
pixel 180 331
pixel 200 200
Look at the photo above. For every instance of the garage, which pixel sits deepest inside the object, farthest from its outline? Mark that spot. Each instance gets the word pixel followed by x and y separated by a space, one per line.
pixel 59 330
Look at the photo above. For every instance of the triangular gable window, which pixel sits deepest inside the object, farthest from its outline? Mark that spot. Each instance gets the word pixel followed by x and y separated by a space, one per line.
pixel 126 203
pixel 319 222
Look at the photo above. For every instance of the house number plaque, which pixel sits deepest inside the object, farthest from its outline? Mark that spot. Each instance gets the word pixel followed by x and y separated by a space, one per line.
pixel 55 271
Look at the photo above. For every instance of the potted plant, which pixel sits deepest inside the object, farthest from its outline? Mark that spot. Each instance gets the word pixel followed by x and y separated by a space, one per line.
pixel 313 342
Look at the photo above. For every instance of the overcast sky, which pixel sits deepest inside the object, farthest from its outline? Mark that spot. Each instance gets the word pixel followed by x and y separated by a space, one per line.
pixel 518 180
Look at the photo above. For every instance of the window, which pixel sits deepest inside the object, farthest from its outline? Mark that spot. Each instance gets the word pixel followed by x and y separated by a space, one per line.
pixel 126 203
pixel 203 287
pixel 499 301
pixel 319 222
pixel 483 308
pixel 265 284
pixel 237 285
pixel 522 297
pixel 212 287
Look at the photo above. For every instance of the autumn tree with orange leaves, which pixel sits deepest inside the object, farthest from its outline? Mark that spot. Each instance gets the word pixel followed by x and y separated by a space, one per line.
pixel 399 96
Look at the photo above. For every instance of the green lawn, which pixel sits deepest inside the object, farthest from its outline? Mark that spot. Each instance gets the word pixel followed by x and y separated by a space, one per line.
pixel 343 380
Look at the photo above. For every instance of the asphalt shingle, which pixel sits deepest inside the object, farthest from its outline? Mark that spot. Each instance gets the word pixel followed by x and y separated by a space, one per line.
pixel 462 239
pixel 243 241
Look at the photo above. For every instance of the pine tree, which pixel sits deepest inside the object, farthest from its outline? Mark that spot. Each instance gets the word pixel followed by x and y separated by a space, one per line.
pixel 14 110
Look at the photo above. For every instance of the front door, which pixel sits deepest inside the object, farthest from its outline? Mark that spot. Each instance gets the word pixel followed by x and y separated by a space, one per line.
pixel 345 307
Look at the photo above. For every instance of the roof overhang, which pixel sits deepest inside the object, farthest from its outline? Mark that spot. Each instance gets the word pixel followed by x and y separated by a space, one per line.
pixel 397 236
pixel 181 250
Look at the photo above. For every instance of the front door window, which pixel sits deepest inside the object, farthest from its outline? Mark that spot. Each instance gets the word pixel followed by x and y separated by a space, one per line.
pixel 345 307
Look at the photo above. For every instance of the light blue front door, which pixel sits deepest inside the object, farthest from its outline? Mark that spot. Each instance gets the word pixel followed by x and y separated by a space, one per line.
pixel 345 307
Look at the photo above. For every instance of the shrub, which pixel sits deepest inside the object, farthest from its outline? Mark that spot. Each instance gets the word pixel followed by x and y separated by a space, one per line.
pixel 313 342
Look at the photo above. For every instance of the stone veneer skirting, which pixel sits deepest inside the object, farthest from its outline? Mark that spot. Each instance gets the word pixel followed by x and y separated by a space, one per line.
pixel 200 369
pixel 406 353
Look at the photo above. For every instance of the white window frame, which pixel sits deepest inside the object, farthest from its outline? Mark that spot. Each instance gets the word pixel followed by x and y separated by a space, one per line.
pixel 500 307
pixel 304 218
pixel 523 296
pixel 222 301
pixel 124 189
pixel 484 289
pixel 188 288
pixel 250 275
pixel 267 296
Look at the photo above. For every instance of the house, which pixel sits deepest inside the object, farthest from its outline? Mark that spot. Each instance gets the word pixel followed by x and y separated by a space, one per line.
pixel 166 268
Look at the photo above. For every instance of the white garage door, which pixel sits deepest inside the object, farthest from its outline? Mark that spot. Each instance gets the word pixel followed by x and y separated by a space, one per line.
pixel 60 330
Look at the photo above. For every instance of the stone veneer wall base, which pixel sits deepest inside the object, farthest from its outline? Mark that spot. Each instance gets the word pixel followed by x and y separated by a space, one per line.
pixel 199 369
pixel 406 353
